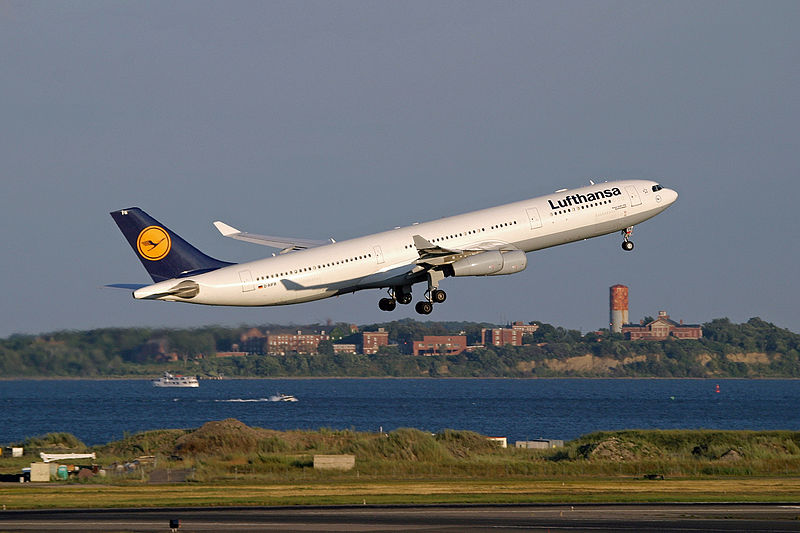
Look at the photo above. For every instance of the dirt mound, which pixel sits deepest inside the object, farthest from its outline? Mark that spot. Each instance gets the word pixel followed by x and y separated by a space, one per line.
pixel 463 444
pixel 228 435
pixel 730 456
pixel 613 450
pixel 616 450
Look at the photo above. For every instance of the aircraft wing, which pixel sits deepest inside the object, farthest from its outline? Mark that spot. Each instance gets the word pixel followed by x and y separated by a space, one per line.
pixel 286 244
pixel 432 255
pixel 427 249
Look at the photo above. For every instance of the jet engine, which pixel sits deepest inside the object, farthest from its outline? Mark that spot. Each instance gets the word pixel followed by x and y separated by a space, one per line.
pixel 492 263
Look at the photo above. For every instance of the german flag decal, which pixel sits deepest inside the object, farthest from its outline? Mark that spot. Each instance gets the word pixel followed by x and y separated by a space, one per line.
pixel 153 243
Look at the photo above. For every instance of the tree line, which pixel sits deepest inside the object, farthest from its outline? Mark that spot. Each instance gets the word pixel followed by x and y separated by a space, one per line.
pixel 726 350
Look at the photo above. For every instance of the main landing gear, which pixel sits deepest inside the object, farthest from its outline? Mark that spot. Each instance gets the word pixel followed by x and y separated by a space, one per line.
pixel 397 295
pixel 387 304
pixel 627 244
pixel 402 295
pixel 433 295
pixel 425 307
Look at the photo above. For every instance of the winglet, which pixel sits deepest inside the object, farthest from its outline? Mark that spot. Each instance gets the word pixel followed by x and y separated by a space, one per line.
pixel 225 229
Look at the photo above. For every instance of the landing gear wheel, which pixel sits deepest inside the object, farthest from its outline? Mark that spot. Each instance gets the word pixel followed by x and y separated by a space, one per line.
pixel 387 304
pixel 438 296
pixel 404 298
pixel 627 245
pixel 424 308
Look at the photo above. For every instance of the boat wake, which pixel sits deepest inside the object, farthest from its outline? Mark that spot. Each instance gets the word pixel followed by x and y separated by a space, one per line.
pixel 245 400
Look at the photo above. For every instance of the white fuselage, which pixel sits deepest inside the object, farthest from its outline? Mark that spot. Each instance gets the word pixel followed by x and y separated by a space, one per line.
pixel 389 258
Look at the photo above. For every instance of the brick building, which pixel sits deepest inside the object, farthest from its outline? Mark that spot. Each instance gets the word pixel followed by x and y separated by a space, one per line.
pixel 372 340
pixel 440 345
pixel 503 336
pixel 345 348
pixel 283 343
pixel 662 328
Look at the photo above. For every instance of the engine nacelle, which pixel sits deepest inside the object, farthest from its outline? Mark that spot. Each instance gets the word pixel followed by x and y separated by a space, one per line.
pixel 492 263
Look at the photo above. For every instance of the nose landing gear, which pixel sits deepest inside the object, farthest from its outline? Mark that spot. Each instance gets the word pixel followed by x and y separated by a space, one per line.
pixel 627 244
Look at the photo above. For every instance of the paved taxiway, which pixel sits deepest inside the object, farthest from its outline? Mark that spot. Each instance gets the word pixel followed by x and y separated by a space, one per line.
pixel 448 518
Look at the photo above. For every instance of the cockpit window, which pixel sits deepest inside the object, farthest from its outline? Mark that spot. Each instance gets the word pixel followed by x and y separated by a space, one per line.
pixel 657 188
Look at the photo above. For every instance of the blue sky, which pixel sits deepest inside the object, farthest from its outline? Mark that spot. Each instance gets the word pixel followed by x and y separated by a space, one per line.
pixel 336 119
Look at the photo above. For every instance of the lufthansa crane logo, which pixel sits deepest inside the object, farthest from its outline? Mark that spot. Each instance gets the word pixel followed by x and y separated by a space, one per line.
pixel 153 243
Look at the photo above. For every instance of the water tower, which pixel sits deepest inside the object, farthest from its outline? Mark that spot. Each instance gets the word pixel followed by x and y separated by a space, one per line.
pixel 619 307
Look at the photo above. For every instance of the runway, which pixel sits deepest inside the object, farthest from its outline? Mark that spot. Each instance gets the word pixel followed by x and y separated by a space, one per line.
pixel 440 518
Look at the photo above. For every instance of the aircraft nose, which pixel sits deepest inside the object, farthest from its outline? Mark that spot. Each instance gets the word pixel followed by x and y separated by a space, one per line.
pixel 668 196
pixel 672 195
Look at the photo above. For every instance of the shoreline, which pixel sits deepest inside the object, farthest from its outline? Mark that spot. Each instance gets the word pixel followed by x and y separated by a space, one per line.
pixel 426 378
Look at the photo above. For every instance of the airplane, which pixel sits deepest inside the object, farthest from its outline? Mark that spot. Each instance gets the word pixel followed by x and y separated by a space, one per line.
pixel 488 242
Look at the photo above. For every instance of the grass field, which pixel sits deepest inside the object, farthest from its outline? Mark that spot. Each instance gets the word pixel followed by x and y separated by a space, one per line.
pixel 51 496
pixel 229 463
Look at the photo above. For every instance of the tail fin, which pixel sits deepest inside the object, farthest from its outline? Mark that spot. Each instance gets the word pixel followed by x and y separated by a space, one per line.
pixel 164 254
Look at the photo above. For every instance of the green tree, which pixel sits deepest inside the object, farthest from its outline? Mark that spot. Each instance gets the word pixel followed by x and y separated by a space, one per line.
pixel 325 347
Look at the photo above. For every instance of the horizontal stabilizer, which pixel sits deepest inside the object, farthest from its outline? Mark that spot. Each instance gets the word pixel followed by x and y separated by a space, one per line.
pixel 286 244
pixel 129 286
pixel 186 289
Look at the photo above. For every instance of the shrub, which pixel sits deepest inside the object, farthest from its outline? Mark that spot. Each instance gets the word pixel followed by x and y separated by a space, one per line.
pixel 65 441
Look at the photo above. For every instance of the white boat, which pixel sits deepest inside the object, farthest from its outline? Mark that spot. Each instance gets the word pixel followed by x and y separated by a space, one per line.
pixel 282 398
pixel 169 380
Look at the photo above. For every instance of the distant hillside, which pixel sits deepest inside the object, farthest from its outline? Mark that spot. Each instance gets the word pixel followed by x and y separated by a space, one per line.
pixel 753 349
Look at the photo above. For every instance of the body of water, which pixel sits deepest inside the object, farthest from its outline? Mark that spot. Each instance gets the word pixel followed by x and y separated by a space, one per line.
pixel 100 411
